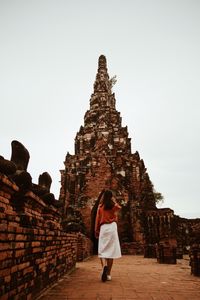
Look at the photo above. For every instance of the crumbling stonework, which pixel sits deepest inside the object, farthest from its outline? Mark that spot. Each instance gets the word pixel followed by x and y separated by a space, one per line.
pixel 103 159
pixel 35 247
pixel 41 238
pixel 34 250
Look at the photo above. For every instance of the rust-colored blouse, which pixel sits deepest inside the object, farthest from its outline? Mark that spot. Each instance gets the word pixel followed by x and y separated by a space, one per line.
pixel 105 216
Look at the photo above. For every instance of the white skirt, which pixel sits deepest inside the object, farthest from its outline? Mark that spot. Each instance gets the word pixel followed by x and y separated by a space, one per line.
pixel 109 246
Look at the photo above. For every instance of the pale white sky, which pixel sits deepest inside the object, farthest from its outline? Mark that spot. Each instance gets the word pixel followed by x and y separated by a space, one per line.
pixel 48 62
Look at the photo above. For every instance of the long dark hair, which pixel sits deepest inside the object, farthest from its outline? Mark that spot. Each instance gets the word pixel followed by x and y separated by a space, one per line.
pixel 107 200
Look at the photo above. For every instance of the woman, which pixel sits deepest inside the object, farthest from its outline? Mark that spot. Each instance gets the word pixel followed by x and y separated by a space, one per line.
pixel 106 231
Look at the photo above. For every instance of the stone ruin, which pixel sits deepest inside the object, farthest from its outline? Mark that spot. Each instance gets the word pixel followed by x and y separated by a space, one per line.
pixel 35 247
pixel 16 170
pixel 103 159
pixel 41 238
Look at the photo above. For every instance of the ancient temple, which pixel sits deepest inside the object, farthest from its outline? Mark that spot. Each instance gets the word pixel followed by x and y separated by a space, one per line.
pixel 42 238
pixel 103 159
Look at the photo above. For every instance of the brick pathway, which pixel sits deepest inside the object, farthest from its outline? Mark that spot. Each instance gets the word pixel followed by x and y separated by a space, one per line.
pixel 133 277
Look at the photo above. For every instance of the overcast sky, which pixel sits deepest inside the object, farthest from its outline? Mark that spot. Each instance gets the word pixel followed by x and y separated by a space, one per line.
pixel 48 62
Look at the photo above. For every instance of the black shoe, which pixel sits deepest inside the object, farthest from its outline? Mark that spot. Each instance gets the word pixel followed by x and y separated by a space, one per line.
pixel 104 274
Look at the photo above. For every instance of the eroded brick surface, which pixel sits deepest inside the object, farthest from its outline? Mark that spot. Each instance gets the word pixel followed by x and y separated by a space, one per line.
pixel 34 249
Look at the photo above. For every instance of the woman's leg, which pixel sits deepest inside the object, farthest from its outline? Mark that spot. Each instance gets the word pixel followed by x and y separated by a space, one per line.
pixel 109 264
pixel 103 262
pixel 105 269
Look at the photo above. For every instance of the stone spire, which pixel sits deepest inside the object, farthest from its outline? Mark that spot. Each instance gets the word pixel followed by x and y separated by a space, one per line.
pixel 102 83
pixel 102 96
pixel 102 122
pixel 102 62
pixel 103 159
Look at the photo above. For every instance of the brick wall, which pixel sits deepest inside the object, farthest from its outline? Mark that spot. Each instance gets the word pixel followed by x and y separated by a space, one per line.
pixel 133 248
pixel 195 259
pixel 85 247
pixel 34 250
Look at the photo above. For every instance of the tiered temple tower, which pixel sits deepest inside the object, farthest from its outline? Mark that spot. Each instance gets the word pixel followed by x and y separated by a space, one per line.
pixel 103 159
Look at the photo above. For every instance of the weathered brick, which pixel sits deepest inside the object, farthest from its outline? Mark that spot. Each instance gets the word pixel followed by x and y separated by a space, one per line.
pixel 20 237
pixel 2 215
pixel 38 249
pixel 17 245
pixel 28 270
pixel 35 244
pixel 3 227
pixel 5 254
pixel 14 269
pixel 7 279
pixel 4 200
pixel 5 246
pixel 5 272
pixel 23 265
pixel 19 253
